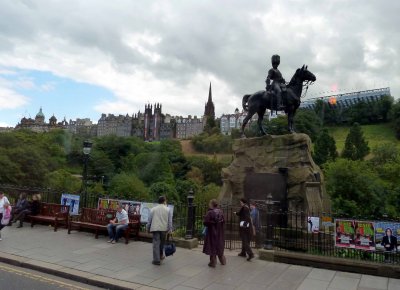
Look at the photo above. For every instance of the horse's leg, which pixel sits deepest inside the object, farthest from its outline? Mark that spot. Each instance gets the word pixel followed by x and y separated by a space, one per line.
pixel 260 119
pixel 290 120
pixel 245 120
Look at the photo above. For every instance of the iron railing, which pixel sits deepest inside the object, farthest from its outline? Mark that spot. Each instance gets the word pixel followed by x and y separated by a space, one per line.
pixel 287 231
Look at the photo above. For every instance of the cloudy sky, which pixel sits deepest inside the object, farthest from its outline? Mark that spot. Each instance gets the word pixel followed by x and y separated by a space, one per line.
pixel 83 58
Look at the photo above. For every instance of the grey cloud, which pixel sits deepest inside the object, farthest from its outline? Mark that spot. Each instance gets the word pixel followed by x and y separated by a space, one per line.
pixel 223 38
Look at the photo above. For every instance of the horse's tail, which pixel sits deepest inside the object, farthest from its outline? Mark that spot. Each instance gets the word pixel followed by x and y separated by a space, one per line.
pixel 244 102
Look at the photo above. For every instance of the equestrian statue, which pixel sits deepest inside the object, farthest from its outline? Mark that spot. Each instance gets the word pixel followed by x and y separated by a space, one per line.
pixel 277 95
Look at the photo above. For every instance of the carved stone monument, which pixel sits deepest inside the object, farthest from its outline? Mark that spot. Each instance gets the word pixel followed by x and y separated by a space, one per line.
pixel 281 166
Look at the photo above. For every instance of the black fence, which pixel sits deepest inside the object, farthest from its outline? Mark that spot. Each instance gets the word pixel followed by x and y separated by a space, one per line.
pixel 281 231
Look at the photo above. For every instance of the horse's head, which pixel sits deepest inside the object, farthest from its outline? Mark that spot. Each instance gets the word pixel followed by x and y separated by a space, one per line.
pixel 305 75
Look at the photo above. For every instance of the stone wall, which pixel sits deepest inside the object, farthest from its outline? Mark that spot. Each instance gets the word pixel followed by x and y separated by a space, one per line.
pixel 305 181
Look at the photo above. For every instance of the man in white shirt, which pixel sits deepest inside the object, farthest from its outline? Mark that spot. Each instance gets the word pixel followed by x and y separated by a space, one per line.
pixel 118 224
pixel 160 222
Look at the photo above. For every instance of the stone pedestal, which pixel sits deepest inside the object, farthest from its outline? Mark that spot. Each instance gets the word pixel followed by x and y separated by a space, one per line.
pixel 269 154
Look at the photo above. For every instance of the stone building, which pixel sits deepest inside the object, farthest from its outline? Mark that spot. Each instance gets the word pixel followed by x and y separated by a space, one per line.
pixel 82 127
pixel 151 125
pixel 188 127
pixel 228 122
pixel 39 124
pixel 114 125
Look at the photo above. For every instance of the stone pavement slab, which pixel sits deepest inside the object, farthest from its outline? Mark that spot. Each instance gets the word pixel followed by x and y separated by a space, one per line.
pixel 80 256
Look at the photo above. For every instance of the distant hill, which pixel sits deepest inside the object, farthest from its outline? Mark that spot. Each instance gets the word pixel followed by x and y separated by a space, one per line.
pixel 374 134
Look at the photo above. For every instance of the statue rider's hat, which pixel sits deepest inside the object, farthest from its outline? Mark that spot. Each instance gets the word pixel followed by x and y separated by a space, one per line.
pixel 276 59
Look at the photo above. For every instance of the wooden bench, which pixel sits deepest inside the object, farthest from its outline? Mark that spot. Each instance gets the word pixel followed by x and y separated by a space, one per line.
pixel 98 219
pixel 134 226
pixel 52 213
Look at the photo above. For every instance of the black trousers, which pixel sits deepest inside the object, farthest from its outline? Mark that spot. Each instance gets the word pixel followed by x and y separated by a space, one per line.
pixel 245 236
pixel 1 226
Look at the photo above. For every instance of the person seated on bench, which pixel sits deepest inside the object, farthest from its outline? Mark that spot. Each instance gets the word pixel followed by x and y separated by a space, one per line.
pixel 21 209
pixel 35 204
pixel 119 224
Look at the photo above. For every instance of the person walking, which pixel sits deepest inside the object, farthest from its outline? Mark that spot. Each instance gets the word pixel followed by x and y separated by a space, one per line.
pixel 245 229
pixel 214 241
pixel 5 211
pixel 159 224
pixel 119 224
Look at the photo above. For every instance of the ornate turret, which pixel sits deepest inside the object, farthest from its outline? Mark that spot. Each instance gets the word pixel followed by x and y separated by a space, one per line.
pixel 39 119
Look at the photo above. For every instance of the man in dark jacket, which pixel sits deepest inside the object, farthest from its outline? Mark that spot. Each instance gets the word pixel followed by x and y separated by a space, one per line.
pixel 245 225
pixel 21 209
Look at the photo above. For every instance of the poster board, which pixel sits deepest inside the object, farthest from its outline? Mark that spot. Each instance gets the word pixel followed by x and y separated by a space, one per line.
pixel 344 233
pixel 73 201
pixel 146 208
pixel 380 232
pixel 135 207
pixel 313 224
pixel 364 237
pixel 130 206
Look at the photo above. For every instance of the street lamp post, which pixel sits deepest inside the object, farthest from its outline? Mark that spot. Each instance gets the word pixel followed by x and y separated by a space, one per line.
pixel 268 244
pixel 190 216
pixel 87 148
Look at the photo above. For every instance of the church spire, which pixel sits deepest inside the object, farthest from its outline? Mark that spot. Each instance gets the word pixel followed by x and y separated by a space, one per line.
pixel 210 95
pixel 209 109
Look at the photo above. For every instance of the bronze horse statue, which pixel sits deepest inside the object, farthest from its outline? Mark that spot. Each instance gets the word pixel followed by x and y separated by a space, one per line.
pixel 260 101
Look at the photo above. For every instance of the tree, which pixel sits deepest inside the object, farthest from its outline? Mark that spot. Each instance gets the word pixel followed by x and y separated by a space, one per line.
pixel 184 186
pixel 211 124
pixel 307 121
pixel 62 180
pixel 275 126
pixel 162 188
pixel 128 186
pixel 355 188
pixel 355 148
pixel 208 192
pixel 395 116
pixel 324 148
pixel 384 153
pixel 153 167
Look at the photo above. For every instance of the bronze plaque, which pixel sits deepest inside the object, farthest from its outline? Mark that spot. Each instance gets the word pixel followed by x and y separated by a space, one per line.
pixel 258 185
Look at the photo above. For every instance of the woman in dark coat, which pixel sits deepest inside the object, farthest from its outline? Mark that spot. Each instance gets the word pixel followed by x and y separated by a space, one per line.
pixel 245 228
pixel 214 241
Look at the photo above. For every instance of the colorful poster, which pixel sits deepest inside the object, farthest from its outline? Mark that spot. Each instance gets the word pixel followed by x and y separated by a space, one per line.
pixel 146 208
pixel 364 237
pixel 131 207
pixel 387 229
pixel 313 224
pixel 73 202
pixel 327 221
pixel 344 233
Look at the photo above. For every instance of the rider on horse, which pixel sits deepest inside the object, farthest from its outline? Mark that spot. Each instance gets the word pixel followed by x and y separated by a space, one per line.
pixel 278 82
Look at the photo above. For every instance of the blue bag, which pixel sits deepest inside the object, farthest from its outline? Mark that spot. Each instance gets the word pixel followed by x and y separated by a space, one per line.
pixel 169 247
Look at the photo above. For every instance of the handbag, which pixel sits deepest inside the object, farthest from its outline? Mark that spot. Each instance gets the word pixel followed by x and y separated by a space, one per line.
pixel 6 217
pixel 169 247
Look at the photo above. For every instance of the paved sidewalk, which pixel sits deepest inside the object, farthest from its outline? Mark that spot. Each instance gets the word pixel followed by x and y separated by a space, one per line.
pixel 81 257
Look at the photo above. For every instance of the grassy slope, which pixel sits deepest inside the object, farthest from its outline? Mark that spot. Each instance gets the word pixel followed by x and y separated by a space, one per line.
pixel 188 150
pixel 374 134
